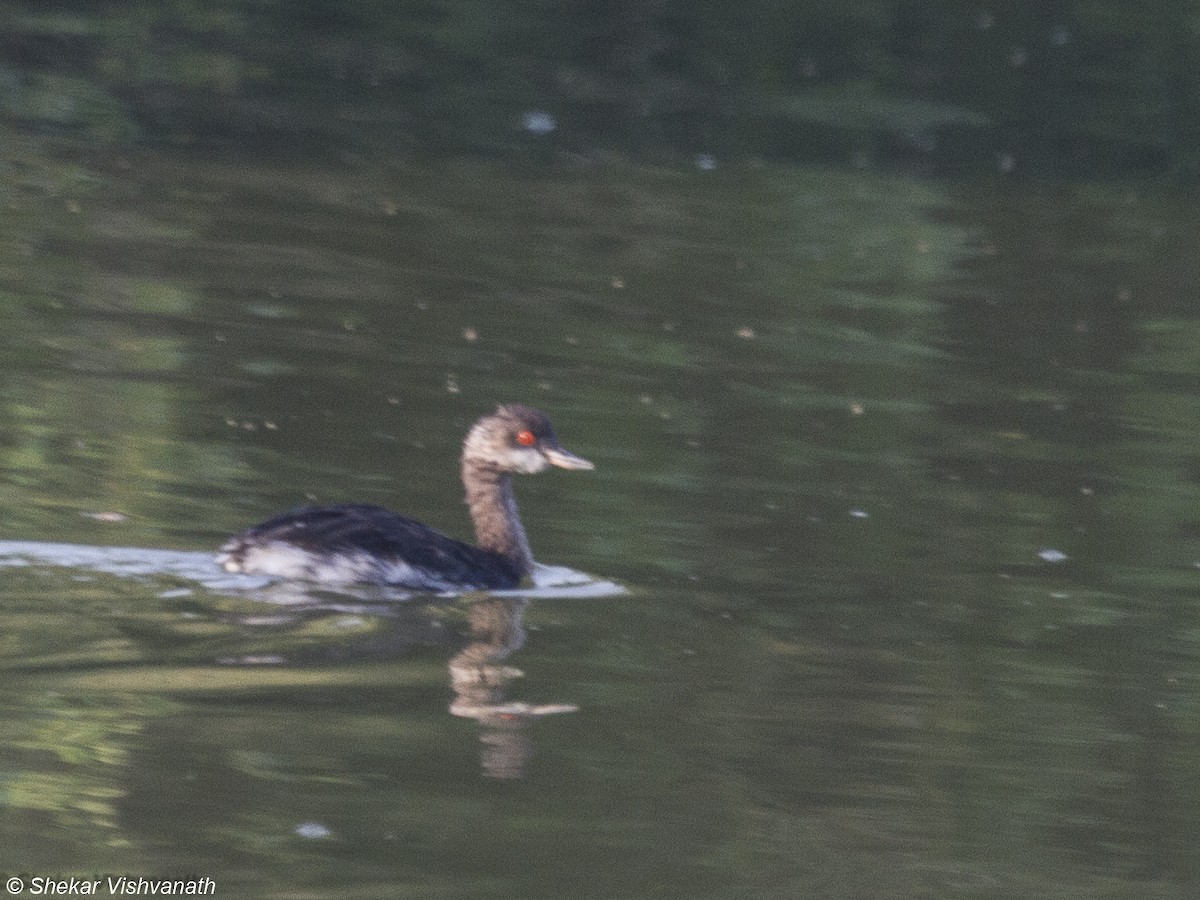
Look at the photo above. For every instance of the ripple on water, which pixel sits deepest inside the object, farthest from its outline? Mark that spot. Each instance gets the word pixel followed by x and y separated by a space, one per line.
pixel 549 582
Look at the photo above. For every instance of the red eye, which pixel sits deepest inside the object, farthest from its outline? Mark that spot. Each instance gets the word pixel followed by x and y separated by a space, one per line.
pixel 526 438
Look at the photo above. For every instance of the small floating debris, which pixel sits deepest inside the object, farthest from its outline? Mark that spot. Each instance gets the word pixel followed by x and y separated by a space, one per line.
pixel 253 660
pixel 859 514
pixel 538 121
pixel 1050 555
pixel 312 831
pixel 105 516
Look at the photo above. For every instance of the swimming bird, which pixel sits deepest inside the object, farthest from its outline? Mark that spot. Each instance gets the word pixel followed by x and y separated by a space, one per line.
pixel 351 543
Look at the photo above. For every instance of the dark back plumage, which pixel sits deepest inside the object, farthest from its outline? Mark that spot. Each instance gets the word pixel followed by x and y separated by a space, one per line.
pixel 374 544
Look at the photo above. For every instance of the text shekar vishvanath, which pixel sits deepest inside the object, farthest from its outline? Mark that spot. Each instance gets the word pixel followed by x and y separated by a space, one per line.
pixel 111 885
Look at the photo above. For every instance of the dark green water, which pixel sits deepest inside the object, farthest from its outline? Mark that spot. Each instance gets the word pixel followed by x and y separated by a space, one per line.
pixel 899 474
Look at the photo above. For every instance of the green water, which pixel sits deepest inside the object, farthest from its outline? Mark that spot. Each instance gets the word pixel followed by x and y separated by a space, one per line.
pixel 898 473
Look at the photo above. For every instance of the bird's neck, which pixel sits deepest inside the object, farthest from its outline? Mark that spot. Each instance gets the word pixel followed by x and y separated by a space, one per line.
pixel 494 512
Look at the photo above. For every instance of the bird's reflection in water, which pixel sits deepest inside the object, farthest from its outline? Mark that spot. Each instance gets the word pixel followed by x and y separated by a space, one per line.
pixel 479 680
pixel 478 675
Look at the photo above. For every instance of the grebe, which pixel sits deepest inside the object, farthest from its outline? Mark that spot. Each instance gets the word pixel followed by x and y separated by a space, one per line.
pixel 362 543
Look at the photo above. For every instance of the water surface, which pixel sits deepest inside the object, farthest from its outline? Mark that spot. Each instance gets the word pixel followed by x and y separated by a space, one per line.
pixel 897 475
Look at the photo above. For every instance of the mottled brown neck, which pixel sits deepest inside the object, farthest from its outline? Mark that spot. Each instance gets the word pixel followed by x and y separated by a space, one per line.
pixel 494 512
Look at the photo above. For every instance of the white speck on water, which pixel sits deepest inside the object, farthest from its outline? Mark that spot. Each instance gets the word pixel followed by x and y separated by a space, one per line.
pixel 538 121
pixel 252 660
pixel 705 162
pixel 105 516
pixel 313 831
pixel 859 514
pixel 1050 555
